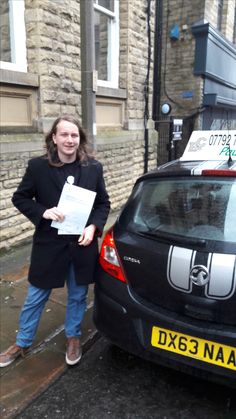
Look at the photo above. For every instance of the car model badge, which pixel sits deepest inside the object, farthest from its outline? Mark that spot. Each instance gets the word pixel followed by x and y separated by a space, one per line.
pixel 133 260
pixel 199 275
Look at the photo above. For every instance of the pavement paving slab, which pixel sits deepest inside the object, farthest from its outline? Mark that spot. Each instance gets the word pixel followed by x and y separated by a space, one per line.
pixel 22 381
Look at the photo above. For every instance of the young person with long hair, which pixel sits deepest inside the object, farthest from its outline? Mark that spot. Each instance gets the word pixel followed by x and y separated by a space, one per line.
pixel 57 259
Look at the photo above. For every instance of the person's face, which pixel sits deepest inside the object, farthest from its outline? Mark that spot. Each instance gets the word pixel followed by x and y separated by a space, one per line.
pixel 67 140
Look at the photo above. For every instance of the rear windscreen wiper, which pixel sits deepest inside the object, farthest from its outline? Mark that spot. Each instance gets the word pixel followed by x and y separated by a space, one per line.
pixel 160 235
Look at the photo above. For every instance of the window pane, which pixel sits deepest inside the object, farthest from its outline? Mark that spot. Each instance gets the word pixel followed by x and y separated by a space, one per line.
pixel 192 208
pixel 5 41
pixel 101 34
pixel 108 4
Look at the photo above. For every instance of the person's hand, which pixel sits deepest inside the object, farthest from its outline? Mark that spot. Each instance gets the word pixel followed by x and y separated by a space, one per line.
pixel 53 214
pixel 87 236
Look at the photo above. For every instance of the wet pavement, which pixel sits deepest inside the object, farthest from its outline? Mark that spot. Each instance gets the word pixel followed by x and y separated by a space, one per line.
pixel 26 378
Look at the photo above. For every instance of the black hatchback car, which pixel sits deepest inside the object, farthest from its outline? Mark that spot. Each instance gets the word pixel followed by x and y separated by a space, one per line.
pixel 165 287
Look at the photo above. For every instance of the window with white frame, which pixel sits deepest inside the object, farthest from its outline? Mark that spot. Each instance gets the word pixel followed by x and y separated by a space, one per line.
pixel 106 34
pixel 12 35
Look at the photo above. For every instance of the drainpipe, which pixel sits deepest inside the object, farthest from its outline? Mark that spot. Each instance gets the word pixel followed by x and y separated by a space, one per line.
pixel 157 64
pixel 88 73
pixel 146 89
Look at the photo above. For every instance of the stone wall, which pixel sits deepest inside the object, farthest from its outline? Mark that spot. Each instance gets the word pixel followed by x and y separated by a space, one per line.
pixel 53 55
pixel 178 58
pixel 123 161
pixel 53 52
pixel 134 57
pixel 14 155
pixel 178 80
pixel 122 158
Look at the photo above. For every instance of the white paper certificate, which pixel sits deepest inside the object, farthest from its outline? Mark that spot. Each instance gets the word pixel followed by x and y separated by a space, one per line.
pixel 76 204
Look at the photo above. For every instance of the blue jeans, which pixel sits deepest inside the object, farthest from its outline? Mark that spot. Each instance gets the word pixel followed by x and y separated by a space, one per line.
pixel 35 303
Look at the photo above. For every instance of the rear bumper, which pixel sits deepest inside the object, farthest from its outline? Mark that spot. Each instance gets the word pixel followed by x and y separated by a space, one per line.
pixel 128 324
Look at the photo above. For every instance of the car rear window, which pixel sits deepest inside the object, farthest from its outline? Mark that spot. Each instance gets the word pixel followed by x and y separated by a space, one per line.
pixel 195 207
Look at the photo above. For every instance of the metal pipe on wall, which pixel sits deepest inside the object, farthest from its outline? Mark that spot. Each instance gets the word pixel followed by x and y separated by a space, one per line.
pixel 146 90
pixel 157 63
pixel 88 95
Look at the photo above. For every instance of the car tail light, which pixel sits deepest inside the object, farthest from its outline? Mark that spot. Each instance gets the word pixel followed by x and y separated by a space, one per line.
pixel 109 259
pixel 220 172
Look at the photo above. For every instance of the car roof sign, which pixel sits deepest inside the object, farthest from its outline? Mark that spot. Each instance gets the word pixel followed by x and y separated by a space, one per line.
pixel 211 145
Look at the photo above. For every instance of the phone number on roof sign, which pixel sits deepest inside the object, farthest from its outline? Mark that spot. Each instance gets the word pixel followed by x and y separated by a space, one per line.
pixel 222 139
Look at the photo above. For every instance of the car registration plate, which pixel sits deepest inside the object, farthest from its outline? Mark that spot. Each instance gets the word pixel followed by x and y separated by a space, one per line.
pixel 193 347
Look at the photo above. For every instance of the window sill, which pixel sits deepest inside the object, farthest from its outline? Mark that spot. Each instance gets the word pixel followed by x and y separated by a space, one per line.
pixel 111 92
pixel 19 78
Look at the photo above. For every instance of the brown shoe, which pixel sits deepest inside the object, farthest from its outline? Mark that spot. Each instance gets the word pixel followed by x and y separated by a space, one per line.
pixel 73 351
pixel 11 354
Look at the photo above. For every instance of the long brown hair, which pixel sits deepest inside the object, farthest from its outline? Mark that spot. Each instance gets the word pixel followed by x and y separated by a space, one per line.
pixel 83 151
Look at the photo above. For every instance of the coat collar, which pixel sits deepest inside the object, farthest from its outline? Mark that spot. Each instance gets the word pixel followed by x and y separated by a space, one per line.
pixel 83 177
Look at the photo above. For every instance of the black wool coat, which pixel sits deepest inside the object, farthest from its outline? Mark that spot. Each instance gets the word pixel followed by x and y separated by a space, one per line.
pixel 52 253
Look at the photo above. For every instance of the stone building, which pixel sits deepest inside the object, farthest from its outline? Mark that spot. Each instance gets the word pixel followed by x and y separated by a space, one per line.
pixel 145 52
pixel 44 80
pixel 195 67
